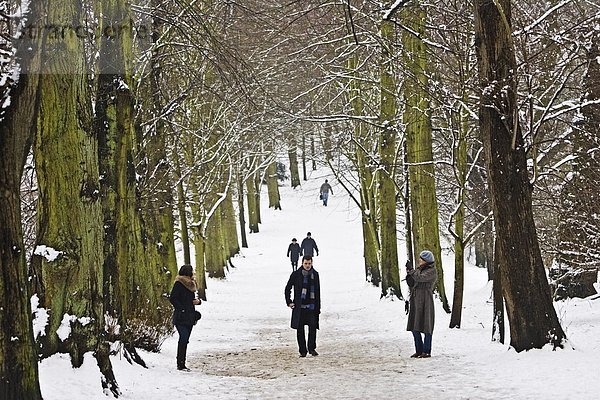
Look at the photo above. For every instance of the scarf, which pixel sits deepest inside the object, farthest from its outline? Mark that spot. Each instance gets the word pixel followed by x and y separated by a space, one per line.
pixel 308 289
pixel 188 281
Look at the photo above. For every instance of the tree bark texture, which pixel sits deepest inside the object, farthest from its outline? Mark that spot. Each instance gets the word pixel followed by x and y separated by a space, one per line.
pixel 363 141
pixel 273 186
pixel 531 314
pixel 18 358
pixel 417 119
pixel 580 234
pixel 387 152
pixel 69 207
pixel 294 173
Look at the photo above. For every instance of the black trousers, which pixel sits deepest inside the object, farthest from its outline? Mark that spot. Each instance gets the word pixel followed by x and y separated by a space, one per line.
pixel 307 317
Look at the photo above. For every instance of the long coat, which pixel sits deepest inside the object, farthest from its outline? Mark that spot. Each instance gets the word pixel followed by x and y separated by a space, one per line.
pixel 421 316
pixel 295 281
pixel 293 252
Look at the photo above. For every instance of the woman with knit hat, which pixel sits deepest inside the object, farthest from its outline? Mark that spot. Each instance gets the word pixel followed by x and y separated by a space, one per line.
pixel 421 315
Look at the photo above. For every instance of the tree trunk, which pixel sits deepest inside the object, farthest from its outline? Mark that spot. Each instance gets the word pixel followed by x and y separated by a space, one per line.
pixel 460 160
pixel 498 329
pixel 182 209
pixel 273 186
pixel 367 193
pixel 69 207
pixel 417 119
pixel 156 189
pixel 241 208
pixel 533 320
pixel 294 173
pixel 579 234
pixel 304 158
pixel 387 152
pixel 252 204
pixel 19 377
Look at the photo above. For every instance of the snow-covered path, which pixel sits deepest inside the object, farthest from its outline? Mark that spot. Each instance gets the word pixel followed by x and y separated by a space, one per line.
pixel 243 348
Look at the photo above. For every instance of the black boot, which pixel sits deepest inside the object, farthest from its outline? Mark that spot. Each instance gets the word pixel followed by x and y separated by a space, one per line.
pixel 181 350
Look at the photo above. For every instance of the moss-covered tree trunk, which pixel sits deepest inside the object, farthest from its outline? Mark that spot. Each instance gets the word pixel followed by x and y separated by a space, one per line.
pixel 215 251
pixel 293 157
pixel 131 293
pixel 69 207
pixel 417 119
pixel 18 358
pixel 366 178
pixel 273 186
pixel 390 275
pixel 183 217
pixel 230 226
pixel 241 207
pixel 252 204
pixel 154 169
pixel 531 314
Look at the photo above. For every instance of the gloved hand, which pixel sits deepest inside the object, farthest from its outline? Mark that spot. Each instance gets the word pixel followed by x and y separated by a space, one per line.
pixel 409 266
pixel 406 306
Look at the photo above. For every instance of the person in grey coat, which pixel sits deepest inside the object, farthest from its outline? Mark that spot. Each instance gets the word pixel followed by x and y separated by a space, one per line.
pixel 324 192
pixel 421 316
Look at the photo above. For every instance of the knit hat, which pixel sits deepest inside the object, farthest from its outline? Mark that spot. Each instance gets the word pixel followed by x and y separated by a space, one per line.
pixel 308 234
pixel 427 256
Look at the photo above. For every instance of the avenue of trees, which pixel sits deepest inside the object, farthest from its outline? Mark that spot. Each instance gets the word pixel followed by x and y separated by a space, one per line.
pixel 465 127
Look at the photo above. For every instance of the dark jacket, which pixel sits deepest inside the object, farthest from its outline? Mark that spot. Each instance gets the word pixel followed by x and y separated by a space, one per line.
pixel 183 303
pixel 421 316
pixel 295 281
pixel 325 188
pixel 308 247
pixel 294 251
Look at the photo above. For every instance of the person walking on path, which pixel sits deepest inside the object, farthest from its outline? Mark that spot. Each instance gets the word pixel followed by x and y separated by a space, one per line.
pixel 183 298
pixel 325 188
pixel 306 305
pixel 294 253
pixel 421 316
pixel 309 246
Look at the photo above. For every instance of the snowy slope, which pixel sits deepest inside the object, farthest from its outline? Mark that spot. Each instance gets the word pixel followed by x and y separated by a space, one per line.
pixel 243 348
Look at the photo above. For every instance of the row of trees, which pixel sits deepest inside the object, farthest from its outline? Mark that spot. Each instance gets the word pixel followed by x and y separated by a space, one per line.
pixel 138 123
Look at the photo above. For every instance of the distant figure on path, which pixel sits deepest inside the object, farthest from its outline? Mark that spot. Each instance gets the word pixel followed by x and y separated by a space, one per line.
pixel 306 305
pixel 421 315
pixel 325 188
pixel 294 253
pixel 308 246
pixel 183 297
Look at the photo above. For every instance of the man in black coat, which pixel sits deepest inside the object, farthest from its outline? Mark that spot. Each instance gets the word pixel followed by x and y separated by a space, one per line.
pixel 306 305
pixel 294 253
pixel 308 246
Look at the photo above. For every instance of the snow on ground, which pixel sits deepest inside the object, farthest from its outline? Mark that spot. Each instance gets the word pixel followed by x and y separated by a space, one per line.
pixel 243 348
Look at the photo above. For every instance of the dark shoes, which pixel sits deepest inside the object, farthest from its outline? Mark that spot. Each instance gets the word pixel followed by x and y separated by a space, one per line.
pixel 416 355
pixel 313 353
pixel 425 355
pixel 302 354
pixel 183 368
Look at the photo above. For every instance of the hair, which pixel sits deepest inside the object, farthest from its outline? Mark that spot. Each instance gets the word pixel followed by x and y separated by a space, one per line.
pixel 294 240
pixel 325 180
pixel 186 269
pixel 308 258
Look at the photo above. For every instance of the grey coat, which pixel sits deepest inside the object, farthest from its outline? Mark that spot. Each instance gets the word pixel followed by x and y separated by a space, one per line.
pixel 421 316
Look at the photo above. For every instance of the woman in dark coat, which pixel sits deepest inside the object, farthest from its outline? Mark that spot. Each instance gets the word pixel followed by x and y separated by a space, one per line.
pixel 421 316
pixel 306 305
pixel 294 253
pixel 185 316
